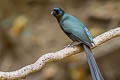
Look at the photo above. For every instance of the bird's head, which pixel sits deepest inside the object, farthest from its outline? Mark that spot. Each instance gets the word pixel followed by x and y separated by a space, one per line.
pixel 57 12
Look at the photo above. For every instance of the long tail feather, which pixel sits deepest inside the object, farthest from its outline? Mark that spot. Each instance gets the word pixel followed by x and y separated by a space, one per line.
pixel 96 75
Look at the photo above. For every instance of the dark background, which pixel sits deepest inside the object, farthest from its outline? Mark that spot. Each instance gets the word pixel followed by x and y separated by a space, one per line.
pixel 28 30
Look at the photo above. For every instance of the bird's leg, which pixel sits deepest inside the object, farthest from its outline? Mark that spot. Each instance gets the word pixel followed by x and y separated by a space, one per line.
pixel 93 44
pixel 69 45
pixel 72 44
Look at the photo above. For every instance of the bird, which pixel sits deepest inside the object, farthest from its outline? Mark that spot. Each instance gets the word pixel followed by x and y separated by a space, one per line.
pixel 77 32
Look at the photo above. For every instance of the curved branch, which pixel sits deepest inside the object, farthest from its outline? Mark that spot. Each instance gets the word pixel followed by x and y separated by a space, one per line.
pixel 23 72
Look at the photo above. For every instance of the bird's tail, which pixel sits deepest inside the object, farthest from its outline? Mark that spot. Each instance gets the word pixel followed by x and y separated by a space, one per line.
pixel 96 75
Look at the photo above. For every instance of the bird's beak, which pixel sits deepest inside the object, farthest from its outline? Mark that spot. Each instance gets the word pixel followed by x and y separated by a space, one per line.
pixel 53 12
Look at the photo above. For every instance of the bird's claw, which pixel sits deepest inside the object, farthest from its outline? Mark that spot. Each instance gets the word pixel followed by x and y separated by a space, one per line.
pixel 68 46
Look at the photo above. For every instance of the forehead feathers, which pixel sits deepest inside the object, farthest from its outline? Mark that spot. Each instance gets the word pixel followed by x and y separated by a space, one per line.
pixel 57 12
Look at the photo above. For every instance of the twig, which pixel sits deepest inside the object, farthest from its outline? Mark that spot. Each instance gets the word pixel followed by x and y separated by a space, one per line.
pixel 59 55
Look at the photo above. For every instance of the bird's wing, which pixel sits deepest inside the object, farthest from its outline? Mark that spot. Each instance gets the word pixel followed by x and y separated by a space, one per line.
pixel 81 36
pixel 88 34
pixel 77 30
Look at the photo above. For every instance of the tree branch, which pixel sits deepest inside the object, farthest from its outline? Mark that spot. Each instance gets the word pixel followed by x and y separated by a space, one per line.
pixel 59 55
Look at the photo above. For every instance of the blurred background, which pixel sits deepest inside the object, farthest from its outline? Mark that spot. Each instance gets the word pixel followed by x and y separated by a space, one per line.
pixel 28 30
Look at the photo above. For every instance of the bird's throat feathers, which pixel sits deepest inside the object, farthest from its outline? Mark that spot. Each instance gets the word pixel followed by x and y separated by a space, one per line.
pixel 61 17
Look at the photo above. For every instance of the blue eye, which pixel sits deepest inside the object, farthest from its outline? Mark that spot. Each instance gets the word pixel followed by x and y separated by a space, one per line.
pixel 57 12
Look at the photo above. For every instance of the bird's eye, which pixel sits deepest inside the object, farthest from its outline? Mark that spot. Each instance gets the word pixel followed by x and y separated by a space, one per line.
pixel 57 12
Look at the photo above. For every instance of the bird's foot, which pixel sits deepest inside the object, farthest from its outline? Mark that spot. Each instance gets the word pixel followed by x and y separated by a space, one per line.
pixel 74 43
pixel 68 46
